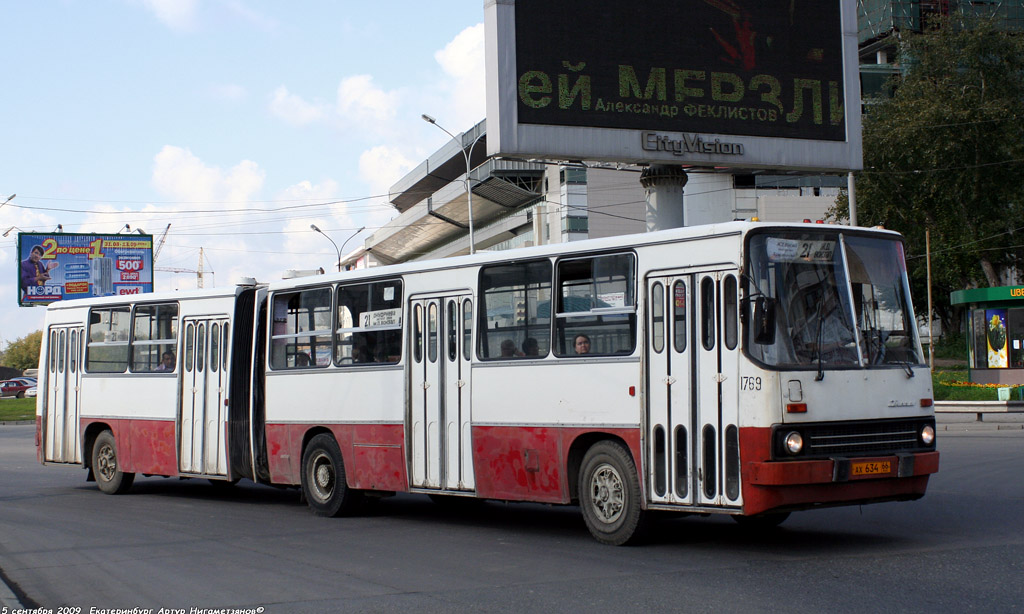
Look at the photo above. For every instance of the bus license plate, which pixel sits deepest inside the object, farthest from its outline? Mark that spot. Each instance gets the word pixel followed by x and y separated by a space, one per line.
pixel 870 468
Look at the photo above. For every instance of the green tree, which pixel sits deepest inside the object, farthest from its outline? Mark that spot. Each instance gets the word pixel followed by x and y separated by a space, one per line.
pixel 23 353
pixel 946 154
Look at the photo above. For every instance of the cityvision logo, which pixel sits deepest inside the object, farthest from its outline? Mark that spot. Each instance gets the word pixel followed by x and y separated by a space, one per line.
pixel 688 144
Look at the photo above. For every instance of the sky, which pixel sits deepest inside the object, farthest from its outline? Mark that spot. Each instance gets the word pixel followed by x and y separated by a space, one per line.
pixel 235 121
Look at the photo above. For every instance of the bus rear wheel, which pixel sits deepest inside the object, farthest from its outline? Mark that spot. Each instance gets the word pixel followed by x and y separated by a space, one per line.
pixel 105 467
pixel 609 495
pixel 323 479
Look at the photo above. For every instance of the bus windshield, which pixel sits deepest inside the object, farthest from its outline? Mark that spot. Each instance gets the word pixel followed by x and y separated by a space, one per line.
pixel 829 300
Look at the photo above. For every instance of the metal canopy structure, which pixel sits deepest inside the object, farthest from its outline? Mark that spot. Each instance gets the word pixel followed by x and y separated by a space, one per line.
pixel 434 203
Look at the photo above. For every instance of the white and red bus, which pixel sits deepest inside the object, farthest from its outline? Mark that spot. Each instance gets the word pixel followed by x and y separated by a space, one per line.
pixel 745 368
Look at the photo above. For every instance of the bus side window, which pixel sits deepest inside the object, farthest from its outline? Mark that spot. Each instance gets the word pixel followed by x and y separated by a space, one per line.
pixel 730 305
pixel 107 350
pixel 53 351
pixel 467 329
pixel 514 311
pixel 369 323
pixel 154 333
pixel 225 346
pixel 708 316
pixel 73 354
pixel 596 309
pixel 301 334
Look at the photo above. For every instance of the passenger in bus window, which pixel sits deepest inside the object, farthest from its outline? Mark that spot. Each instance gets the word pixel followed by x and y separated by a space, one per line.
pixel 531 347
pixel 582 344
pixel 362 354
pixel 301 359
pixel 166 362
pixel 508 349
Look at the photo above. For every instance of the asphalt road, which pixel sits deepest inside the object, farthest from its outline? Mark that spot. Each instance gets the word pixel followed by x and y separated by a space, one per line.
pixel 187 544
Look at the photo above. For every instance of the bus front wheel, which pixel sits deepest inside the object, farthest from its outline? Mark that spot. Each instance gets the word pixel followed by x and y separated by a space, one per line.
pixel 106 468
pixel 323 478
pixel 609 494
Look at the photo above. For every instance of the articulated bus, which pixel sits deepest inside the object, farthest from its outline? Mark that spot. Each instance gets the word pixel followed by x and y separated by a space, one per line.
pixel 745 368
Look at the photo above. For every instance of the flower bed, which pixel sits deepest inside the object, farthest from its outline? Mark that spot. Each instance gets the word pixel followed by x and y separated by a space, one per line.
pixel 953 386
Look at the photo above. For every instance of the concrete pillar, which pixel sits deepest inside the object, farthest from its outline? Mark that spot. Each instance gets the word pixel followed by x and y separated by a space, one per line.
pixel 663 187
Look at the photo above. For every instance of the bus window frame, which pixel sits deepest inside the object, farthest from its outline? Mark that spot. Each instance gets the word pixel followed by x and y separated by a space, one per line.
pixel 273 339
pixel 561 345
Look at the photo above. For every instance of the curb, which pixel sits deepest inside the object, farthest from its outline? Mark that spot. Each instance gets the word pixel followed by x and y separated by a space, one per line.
pixel 9 602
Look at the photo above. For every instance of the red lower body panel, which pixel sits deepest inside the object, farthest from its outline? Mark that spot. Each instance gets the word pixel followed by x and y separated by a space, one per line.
pixel 511 463
pixel 143 446
pixel 785 485
pixel 519 463
pixel 374 454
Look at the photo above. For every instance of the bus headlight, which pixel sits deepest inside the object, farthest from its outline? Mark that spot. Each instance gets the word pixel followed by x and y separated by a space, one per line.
pixel 794 443
pixel 928 435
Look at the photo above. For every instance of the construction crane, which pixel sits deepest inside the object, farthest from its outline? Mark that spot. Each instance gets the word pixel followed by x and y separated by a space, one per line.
pixel 160 244
pixel 199 272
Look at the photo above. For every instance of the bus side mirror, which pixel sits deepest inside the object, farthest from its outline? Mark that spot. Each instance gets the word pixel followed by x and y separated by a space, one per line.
pixel 764 320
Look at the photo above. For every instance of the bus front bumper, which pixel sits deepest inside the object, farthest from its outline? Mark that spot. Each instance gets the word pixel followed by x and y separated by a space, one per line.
pixel 842 469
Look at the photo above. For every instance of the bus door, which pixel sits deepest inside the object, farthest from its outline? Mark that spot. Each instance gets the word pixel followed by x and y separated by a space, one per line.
pixel 441 454
pixel 204 381
pixel 716 341
pixel 63 394
pixel 670 389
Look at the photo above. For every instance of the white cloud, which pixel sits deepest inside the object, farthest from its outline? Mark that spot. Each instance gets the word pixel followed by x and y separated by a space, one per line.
pixel 359 99
pixel 463 57
pixel 179 174
pixel 176 14
pixel 307 190
pixel 381 166
pixel 463 61
pixel 294 109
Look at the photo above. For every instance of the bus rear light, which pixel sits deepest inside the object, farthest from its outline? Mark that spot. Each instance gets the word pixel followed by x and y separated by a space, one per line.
pixel 794 443
pixel 927 402
pixel 632 391
pixel 928 435
pixel 796 408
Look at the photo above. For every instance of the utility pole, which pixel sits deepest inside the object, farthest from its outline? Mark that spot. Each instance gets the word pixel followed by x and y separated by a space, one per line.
pixel 928 267
pixel 199 270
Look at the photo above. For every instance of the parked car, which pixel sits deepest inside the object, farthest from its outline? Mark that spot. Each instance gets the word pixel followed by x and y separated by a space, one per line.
pixel 14 388
pixel 31 392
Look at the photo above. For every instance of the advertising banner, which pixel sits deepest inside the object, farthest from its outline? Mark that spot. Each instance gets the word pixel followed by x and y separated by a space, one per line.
pixel 737 83
pixel 766 67
pixel 63 266
pixel 996 334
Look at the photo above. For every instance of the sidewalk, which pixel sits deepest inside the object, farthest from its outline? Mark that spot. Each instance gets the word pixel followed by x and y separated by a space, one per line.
pixel 963 423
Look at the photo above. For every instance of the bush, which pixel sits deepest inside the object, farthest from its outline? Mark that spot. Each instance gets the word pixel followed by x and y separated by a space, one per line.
pixel 952 346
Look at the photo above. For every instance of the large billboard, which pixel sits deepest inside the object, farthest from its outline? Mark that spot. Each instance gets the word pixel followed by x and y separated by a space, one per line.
pixel 738 83
pixel 56 267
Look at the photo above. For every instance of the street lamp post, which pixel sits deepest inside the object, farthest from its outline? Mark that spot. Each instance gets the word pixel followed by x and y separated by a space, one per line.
pixel 469 188
pixel 313 226
pixel 346 243
pixel 336 248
